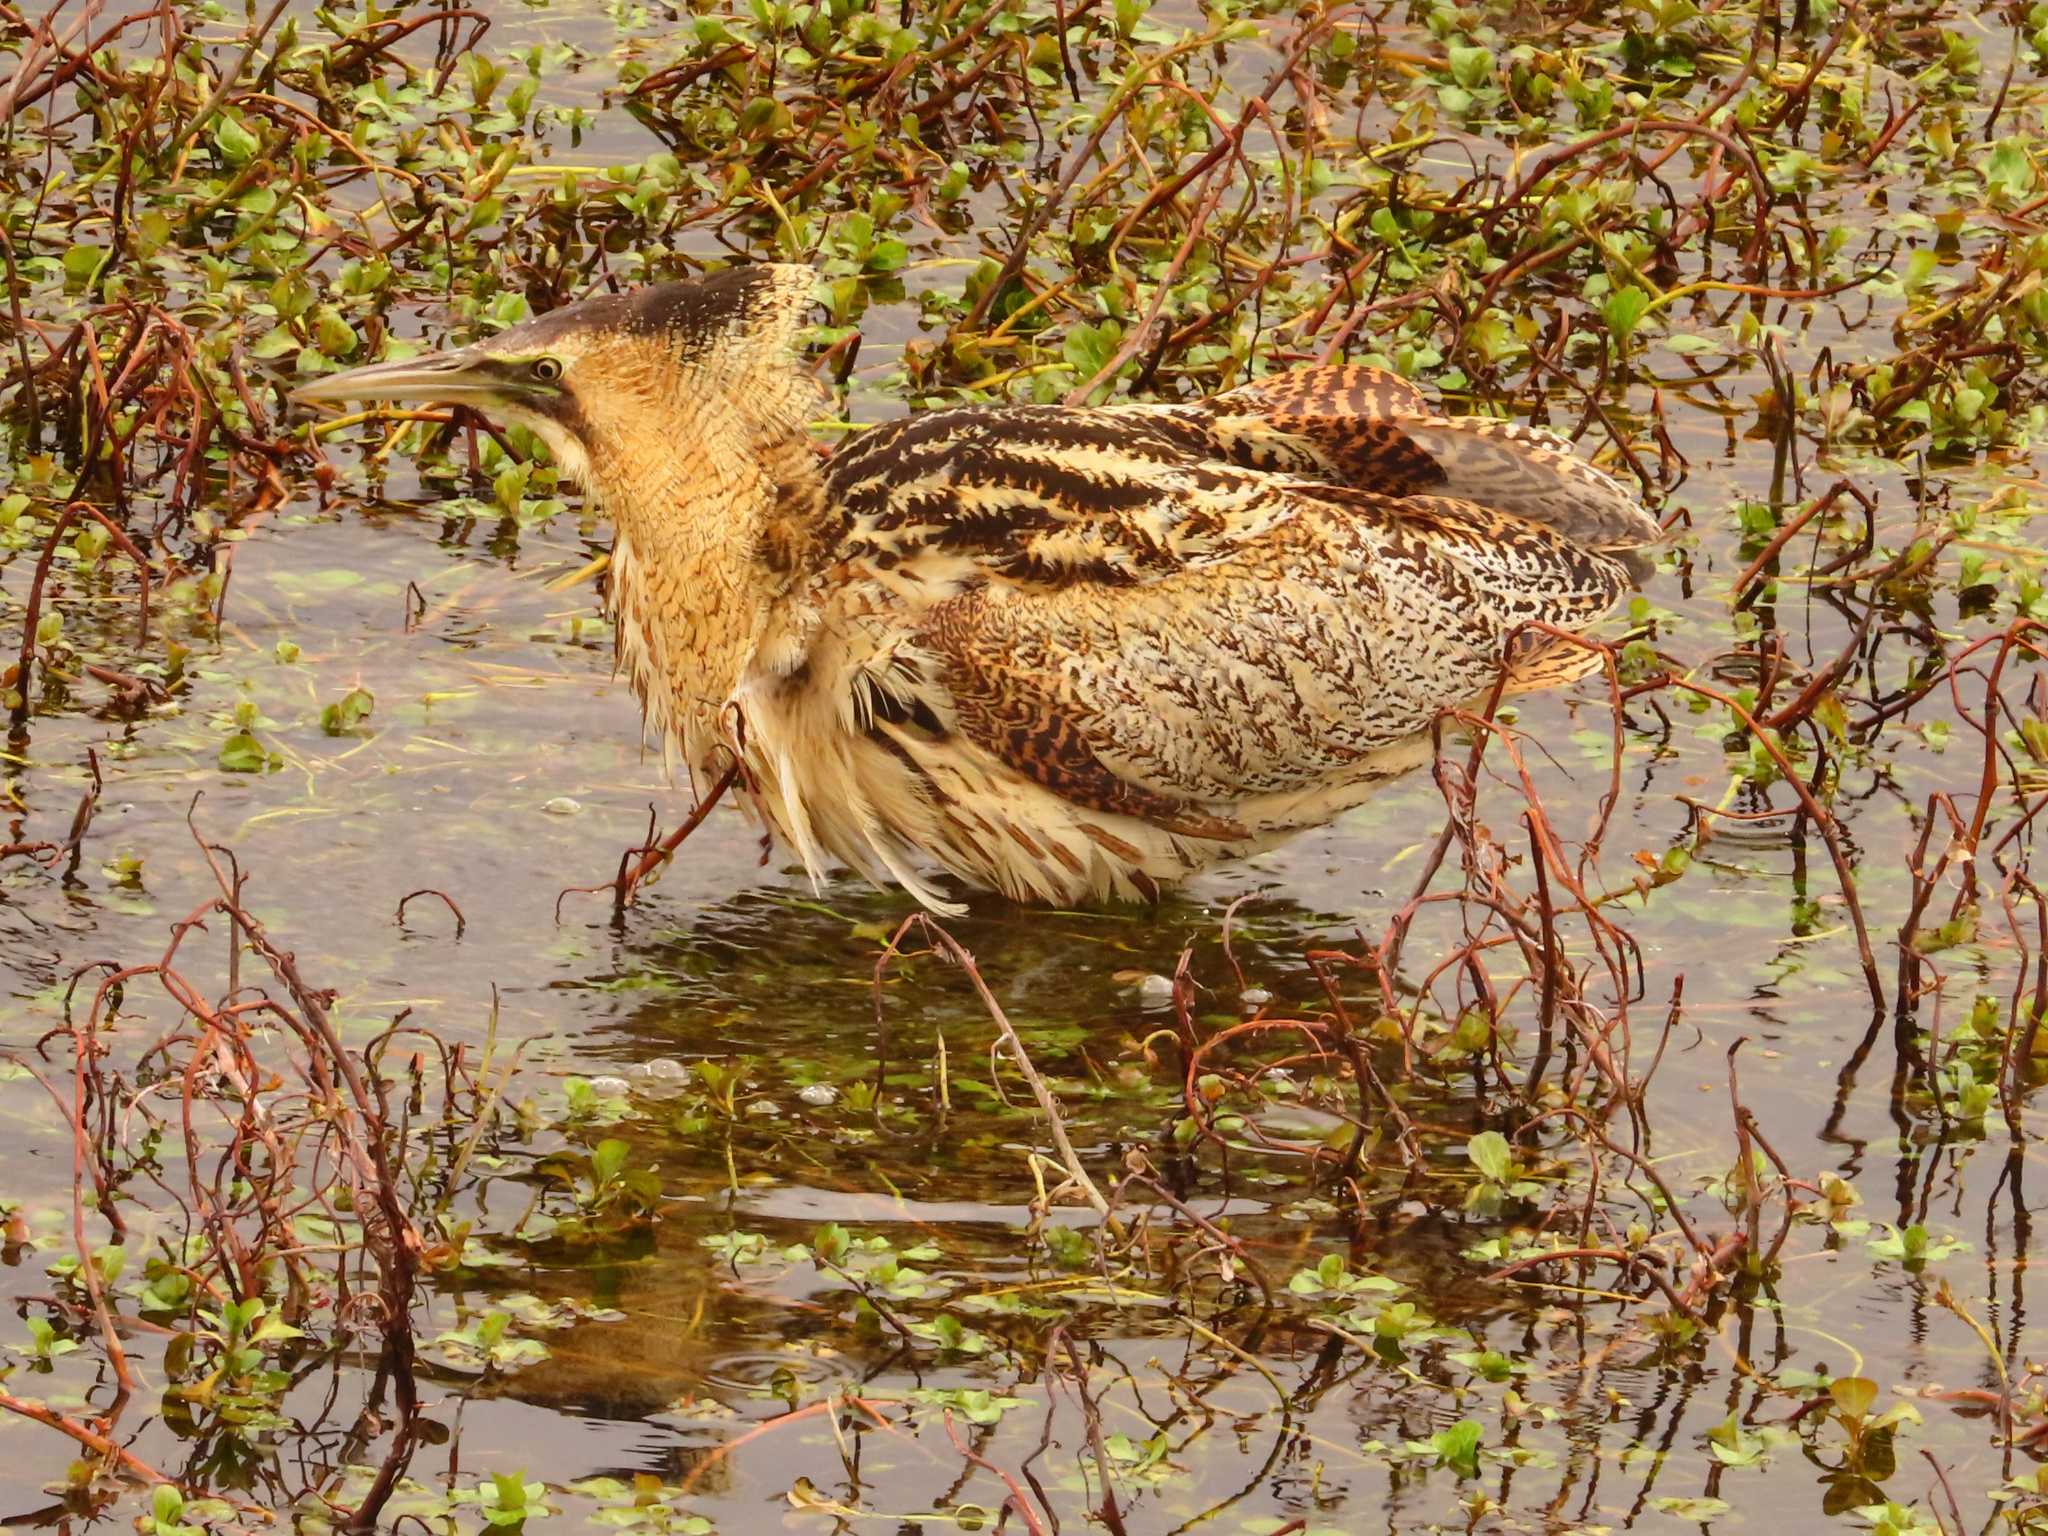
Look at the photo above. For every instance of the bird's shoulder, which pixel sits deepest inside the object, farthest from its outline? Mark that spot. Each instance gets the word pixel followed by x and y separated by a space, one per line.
pixel 1038 496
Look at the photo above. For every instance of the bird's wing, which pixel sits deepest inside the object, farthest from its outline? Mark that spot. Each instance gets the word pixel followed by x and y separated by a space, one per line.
pixel 1153 611
pixel 1368 429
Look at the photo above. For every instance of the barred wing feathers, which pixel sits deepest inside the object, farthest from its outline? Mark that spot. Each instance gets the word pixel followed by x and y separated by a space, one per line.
pixel 1372 430
pixel 1202 616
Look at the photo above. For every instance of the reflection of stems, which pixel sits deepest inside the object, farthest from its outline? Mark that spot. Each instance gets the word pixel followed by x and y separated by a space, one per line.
pixel 1818 814
pixel 1141 1174
pixel 88 1263
pixel 82 1163
pixel 356 1109
pixel 1048 1106
pixel 866 1293
pixel 1641 1164
pixel 119 536
pixel 1745 1159
pixel 1245 1355
pixel 1091 1415
pixel 768 1426
pixel 1944 1297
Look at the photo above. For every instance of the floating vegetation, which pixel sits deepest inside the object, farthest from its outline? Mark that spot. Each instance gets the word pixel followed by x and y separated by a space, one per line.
pixel 1625 1122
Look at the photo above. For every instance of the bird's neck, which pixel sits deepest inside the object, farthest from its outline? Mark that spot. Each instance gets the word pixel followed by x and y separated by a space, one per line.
pixel 717 516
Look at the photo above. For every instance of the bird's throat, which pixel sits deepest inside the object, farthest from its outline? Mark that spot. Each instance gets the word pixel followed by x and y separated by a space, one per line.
pixel 712 520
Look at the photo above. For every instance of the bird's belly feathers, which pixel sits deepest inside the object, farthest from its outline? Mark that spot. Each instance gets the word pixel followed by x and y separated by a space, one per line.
pixel 893 804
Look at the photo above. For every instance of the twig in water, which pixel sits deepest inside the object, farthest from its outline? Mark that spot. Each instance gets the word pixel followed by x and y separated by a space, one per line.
pixel 652 854
pixel 1048 1106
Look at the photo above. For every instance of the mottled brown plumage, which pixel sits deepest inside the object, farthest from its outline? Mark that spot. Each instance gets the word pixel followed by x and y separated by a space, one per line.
pixel 1059 652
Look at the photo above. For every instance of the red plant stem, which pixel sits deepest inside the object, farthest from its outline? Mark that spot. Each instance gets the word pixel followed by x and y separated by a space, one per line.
pixel 92 1440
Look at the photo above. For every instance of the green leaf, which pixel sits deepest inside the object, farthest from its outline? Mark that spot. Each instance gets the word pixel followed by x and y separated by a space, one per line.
pixel 1489 1364
pixel 1491 1155
pixel 1914 1246
pixel 275 1329
pixel 237 145
pixel 348 712
pixel 1088 348
pixel 1458 1446
pixel 508 486
pixel 274 343
pixel 167 1505
pixel 2009 170
pixel 1471 67
pixel 1622 310
pixel 82 262
pixel 336 337
pixel 1734 1446
pixel 1136 1454
pixel 293 295
pixel 1853 1395
pixel 243 753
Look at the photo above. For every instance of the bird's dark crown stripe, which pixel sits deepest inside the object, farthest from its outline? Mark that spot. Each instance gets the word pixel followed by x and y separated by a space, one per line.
pixel 693 313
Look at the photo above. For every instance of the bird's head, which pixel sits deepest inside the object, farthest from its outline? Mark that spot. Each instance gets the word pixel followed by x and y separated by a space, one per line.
pixel 611 380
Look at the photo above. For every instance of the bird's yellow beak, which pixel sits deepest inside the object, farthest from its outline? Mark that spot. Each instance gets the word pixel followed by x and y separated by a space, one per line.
pixel 458 377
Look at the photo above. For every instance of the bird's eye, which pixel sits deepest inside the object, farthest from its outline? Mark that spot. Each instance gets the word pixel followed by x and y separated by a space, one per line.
pixel 547 369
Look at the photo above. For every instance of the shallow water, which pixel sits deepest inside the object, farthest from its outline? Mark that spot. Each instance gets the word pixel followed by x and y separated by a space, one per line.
pixel 503 760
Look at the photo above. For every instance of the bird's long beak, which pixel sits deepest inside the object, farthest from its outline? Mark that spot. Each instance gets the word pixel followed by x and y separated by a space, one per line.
pixel 458 377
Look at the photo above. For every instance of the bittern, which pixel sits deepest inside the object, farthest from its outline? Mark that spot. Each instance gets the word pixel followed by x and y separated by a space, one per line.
pixel 1063 652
